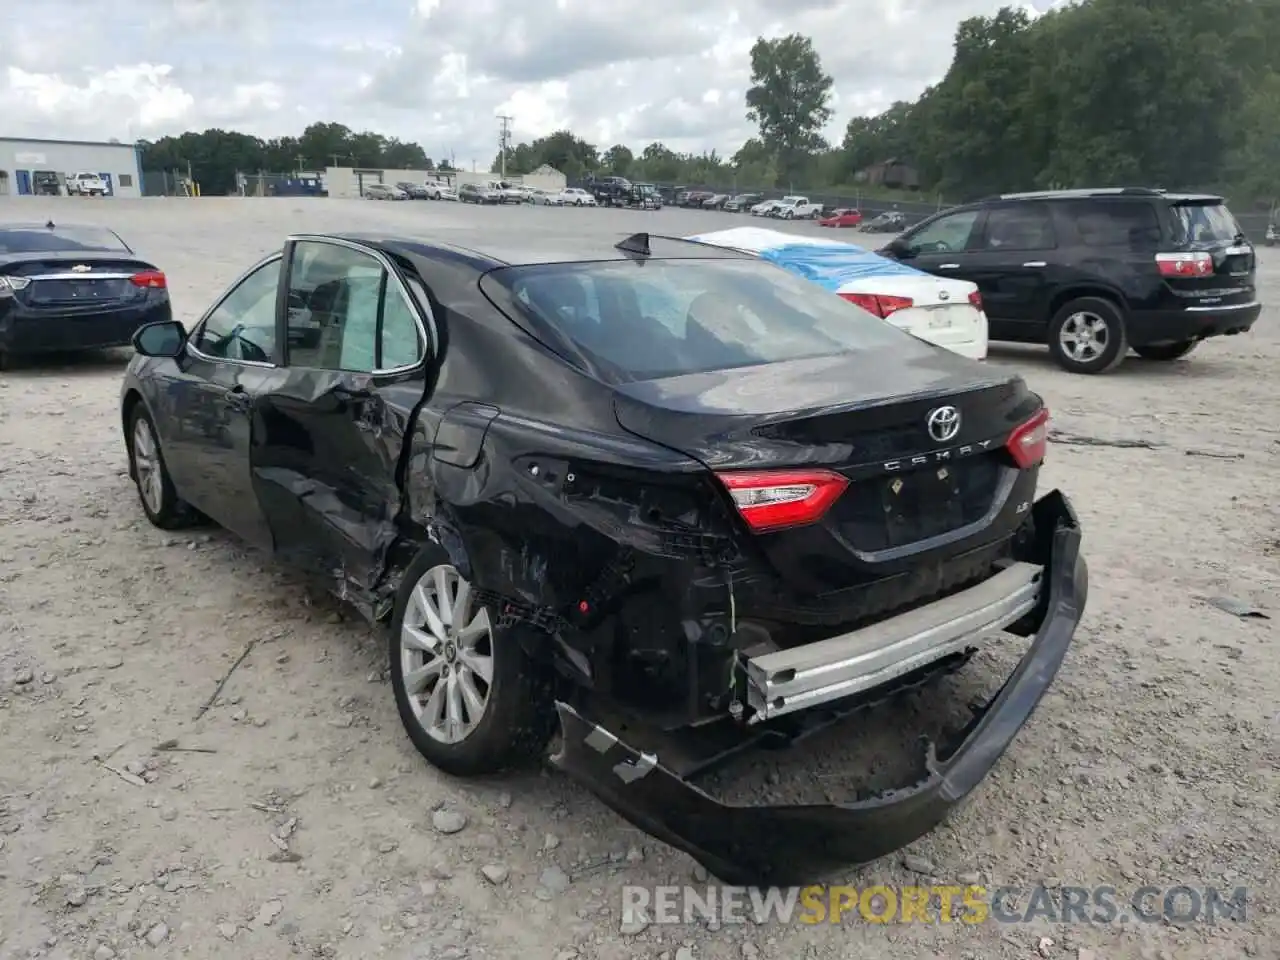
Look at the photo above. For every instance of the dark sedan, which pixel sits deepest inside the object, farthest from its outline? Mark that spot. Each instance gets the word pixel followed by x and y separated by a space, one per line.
pixel 73 287
pixel 414 191
pixel 666 496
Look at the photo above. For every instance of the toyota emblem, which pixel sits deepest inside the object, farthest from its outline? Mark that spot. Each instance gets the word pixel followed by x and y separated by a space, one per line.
pixel 943 423
pixel 943 295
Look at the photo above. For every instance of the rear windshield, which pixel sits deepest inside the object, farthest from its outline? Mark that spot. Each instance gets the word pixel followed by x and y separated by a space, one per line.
pixel 43 240
pixel 1206 223
pixel 642 320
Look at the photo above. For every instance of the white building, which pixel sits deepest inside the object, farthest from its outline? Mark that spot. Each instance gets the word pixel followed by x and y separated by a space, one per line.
pixel 31 166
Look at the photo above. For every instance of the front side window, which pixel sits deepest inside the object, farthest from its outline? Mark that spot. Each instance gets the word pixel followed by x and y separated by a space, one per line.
pixel 665 318
pixel 949 234
pixel 347 313
pixel 243 325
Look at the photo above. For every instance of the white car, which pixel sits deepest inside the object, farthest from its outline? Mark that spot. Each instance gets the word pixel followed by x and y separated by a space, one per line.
pixel 383 191
pixel 439 191
pixel 945 312
pixel 577 197
pixel 765 208
pixel 86 185
pixel 796 208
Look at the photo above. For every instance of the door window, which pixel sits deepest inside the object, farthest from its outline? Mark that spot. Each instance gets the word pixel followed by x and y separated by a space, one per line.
pixel 347 313
pixel 1024 226
pixel 949 234
pixel 243 326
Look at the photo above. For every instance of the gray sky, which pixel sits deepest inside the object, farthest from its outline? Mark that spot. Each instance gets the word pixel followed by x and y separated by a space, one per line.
pixel 438 71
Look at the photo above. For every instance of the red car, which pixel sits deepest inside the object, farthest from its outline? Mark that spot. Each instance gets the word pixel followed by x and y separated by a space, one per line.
pixel 842 218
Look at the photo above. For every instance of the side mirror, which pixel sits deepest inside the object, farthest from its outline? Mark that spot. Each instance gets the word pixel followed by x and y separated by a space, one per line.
pixel 164 338
pixel 900 249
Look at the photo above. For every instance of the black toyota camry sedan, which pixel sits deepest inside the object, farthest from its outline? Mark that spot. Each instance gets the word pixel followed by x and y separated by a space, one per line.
pixel 73 287
pixel 662 498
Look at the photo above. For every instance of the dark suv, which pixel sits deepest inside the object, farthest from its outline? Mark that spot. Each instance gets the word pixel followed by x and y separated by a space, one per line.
pixel 1095 272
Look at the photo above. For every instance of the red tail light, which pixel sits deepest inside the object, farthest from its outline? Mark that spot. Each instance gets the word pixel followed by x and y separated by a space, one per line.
pixel 1029 442
pixel 774 499
pixel 879 304
pixel 975 300
pixel 149 278
pixel 1185 264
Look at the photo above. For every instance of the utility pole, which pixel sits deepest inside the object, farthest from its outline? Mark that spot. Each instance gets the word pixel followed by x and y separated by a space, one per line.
pixel 504 138
pixel 299 158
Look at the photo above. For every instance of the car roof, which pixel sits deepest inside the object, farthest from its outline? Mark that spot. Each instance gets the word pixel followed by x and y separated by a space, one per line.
pixel 484 255
pixel 1088 193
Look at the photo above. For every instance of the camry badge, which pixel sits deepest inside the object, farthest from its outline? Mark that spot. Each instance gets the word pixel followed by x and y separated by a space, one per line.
pixel 81 268
pixel 943 423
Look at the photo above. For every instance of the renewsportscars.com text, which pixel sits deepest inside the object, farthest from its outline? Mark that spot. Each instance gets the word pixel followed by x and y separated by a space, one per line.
pixel 940 903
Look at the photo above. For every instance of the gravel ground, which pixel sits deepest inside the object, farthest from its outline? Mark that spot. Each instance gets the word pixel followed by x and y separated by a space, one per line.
pixel 293 817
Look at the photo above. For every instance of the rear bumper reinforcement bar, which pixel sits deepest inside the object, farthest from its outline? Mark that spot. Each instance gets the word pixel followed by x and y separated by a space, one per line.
pixel 801 677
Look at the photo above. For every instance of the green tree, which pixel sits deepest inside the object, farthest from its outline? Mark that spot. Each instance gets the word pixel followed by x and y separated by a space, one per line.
pixel 789 98
pixel 618 159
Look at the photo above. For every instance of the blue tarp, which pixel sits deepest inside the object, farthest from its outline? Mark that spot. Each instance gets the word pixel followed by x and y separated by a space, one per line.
pixel 834 265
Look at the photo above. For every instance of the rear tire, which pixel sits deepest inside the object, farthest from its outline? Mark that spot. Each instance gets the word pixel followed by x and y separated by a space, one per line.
pixel 1087 336
pixel 496 723
pixel 1166 351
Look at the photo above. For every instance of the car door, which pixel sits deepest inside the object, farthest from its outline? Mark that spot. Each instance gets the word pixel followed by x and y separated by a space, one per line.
pixel 1012 260
pixel 229 361
pixel 355 348
pixel 941 246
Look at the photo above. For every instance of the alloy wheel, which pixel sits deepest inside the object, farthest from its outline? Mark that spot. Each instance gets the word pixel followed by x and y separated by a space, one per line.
pixel 1084 336
pixel 446 655
pixel 146 466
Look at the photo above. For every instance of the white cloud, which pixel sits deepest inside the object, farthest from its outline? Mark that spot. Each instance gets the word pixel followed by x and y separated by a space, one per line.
pixel 439 73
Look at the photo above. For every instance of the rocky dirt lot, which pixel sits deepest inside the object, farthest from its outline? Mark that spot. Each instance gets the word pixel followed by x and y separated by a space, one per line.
pixel 293 818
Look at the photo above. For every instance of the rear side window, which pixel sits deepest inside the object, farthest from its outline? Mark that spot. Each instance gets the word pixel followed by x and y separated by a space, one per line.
pixel 641 320
pixel 70 238
pixel 1200 223
pixel 1116 223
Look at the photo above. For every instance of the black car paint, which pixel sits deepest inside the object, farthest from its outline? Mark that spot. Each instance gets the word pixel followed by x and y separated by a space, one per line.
pixel 1023 289
pixel 31 326
pixel 584 508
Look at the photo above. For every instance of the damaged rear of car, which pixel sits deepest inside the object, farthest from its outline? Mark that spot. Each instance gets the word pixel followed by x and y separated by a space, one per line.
pixel 793 512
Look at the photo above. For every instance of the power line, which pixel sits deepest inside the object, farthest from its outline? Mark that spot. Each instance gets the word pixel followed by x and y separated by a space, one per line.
pixel 504 139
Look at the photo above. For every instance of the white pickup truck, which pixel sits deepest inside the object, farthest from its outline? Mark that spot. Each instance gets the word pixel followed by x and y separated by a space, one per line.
pixel 86 185
pixel 796 208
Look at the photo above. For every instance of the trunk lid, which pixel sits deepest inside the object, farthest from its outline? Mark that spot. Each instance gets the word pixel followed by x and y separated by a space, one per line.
pixel 89 280
pixel 864 419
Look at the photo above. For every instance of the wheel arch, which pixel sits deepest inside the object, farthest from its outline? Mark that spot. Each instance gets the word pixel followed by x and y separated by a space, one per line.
pixel 1061 298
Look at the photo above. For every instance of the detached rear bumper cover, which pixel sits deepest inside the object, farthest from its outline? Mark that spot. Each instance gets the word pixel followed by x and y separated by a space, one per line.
pixel 797 844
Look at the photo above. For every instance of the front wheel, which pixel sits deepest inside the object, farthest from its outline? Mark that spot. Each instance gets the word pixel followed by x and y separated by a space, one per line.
pixel 1087 335
pixel 1166 351
pixel 160 501
pixel 470 698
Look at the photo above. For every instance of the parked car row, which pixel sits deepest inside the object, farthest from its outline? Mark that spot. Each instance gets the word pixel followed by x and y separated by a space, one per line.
pixel 488 192
pixel 408 190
